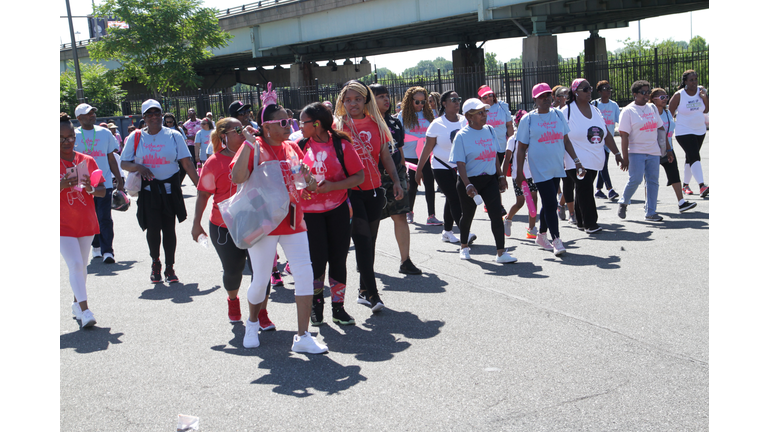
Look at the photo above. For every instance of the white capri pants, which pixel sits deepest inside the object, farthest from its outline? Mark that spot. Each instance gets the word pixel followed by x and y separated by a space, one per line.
pixel 296 248
pixel 75 251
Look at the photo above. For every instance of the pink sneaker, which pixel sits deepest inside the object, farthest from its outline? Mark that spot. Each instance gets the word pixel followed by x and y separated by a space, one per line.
pixel 234 309
pixel 541 240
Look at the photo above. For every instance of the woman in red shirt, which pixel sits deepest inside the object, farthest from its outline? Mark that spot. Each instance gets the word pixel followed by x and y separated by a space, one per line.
pixel 78 221
pixel 216 180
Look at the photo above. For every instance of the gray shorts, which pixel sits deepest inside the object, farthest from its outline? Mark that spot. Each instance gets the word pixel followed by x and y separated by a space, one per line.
pixel 393 206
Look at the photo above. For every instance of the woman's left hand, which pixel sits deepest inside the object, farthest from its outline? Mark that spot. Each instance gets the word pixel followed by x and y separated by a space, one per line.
pixel 249 133
pixel 86 182
pixel 503 184
pixel 398 191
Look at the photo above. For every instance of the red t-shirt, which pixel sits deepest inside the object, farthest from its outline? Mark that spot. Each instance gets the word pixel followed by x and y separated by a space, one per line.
pixel 284 154
pixel 367 143
pixel 323 163
pixel 77 211
pixel 216 179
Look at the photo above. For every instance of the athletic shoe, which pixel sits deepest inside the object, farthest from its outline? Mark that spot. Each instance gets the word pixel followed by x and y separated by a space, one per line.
pixel 87 319
pixel 155 277
pixel 503 211
pixel 561 212
pixel 340 316
pixel 704 191
pixel 409 217
pixel 363 299
pixel 432 220
pixel 288 268
pixel 307 344
pixel 234 309
pixel 276 279
pixel 572 220
pixel 96 252
pixel 600 194
pixel 170 275
pixel 622 211
pixel 654 218
pixel 543 242
pixel 472 238
pixel 505 258
pixel 76 311
pixel 558 246
pixel 264 322
pixel 687 205
pixel 109 258
pixel 594 229
pixel 376 302
pixel 316 316
pixel 464 253
pixel 508 227
pixel 687 190
pixel 251 339
pixel 449 237
pixel 408 268
pixel 531 233
pixel 485 209
pixel 612 194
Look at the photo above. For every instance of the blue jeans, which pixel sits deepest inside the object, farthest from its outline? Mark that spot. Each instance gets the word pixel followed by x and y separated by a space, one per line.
pixel 104 213
pixel 643 166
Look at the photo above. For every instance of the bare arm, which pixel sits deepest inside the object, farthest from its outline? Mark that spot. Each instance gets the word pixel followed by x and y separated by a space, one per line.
pixel 389 165
pixel 186 164
pixel 424 157
pixel 200 204
pixel 115 171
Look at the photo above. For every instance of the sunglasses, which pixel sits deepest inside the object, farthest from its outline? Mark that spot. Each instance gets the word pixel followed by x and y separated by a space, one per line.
pixel 70 139
pixel 586 89
pixel 283 122
pixel 418 102
pixel 238 130
pixel 455 99
pixel 662 97
pixel 644 92
pixel 489 95
pixel 604 88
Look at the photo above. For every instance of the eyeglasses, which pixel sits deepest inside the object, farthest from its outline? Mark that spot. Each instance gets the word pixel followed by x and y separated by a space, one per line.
pixel 662 97
pixel 455 99
pixel 238 130
pixel 308 121
pixel 489 95
pixel 604 89
pixel 70 139
pixel 283 122
pixel 644 92
pixel 419 102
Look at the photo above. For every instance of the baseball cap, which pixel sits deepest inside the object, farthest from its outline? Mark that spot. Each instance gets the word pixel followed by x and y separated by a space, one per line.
pixel 83 108
pixel 149 104
pixel 473 104
pixel 539 89
pixel 237 106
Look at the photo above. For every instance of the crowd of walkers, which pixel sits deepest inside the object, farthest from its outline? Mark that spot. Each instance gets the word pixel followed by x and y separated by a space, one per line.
pixel 346 166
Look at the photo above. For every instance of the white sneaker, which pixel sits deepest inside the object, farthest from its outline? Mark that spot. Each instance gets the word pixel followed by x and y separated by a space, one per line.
pixel 97 252
pixel 448 236
pixel 251 339
pixel 307 344
pixel 464 254
pixel 472 238
pixel 543 242
pixel 76 311
pixel 505 258
pixel 559 248
pixel 87 319
pixel 508 227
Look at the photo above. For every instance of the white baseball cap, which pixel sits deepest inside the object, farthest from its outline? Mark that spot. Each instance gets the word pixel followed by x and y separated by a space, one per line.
pixel 149 104
pixel 473 104
pixel 83 108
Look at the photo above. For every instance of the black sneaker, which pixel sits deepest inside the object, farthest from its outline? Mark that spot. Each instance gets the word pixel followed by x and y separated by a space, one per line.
pixel 170 275
pixel 594 229
pixel 316 317
pixel 503 211
pixel 375 300
pixel 654 218
pixel 687 205
pixel 408 268
pixel 363 299
pixel 340 316
pixel 155 277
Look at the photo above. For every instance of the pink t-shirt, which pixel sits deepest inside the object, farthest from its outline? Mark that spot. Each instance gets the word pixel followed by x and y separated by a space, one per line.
pixel 641 123
pixel 367 143
pixel 323 163
pixel 77 211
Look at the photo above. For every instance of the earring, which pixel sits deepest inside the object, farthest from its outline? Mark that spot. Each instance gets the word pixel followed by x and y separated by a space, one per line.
pixel 315 124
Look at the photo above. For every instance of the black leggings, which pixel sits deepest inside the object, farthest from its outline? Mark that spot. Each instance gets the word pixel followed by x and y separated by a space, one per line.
pixel 233 259
pixel 584 203
pixel 366 211
pixel 159 222
pixel 329 233
pixel 548 215
pixel 428 180
pixel 487 187
pixel 446 179
pixel 691 145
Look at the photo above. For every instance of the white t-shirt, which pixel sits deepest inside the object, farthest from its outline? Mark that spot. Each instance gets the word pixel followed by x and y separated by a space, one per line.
pixel 690 114
pixel 444 130
pixel 641 123
pixel 160 152
pixel 97 143
pixel 587 137
pixel 512 146
pixel 498 116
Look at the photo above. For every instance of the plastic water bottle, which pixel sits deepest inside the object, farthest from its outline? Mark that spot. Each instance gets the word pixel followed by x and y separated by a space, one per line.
pixel 581 173
pixel 478 199
pixel 203 240
pixel 298 179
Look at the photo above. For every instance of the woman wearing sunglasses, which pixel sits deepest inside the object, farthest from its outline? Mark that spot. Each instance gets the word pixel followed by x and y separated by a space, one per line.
pixel 416 120
pixel 588 135
pixel 638 125
pixel 688 105
pixel 610 111
pixel 660 99
pixel 440 136
pixel 271 143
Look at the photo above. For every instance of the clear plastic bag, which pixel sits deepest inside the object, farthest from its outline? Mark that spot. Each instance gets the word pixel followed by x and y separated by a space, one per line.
pixel 258 206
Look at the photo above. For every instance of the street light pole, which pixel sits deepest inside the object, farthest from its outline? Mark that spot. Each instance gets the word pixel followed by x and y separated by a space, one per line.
pixel 79 92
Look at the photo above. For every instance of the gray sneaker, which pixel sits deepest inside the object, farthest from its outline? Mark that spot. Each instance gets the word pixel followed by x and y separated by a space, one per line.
pixel 622 211
pixel 654 218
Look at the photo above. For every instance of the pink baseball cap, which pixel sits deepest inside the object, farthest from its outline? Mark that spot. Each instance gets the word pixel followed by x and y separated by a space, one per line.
pixel 484 90
pixel 540 88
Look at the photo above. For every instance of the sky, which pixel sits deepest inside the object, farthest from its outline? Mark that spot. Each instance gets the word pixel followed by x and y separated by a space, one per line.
pixel 678 27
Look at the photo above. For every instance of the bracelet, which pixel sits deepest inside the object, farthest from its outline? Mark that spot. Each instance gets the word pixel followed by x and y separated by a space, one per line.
pixel 576 160
pixel 467 188
pixel 617 154
pixel 92 191
pixel 670 151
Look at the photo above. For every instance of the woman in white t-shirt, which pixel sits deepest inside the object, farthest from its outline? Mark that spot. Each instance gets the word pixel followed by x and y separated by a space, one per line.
pixel 588 134
pixel 689 105
pixel 638 126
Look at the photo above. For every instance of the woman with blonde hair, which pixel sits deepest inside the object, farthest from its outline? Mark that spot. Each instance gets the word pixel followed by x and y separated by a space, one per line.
pixel 358 115
pixel 416 119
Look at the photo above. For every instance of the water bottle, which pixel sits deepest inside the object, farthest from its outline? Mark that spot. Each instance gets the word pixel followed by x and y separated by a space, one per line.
pixel 478 199
pixel 581 173
pixel 298 178
pixel 203 240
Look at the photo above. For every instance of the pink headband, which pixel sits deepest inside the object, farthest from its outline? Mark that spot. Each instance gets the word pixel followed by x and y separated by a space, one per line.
pixel 484 91
pixel 576 82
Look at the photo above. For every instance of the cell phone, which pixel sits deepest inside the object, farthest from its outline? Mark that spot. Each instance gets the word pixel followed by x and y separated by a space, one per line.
pixel 292 216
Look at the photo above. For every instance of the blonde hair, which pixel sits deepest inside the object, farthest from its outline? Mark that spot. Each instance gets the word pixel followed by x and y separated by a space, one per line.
pixel 221 126
pixel 410 119
pixel 370 109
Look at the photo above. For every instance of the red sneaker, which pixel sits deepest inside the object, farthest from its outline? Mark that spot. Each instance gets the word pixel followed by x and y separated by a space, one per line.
pixel 264 322
pixel 234 309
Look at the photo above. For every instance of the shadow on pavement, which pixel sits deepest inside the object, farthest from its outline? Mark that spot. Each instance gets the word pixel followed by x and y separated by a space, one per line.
pixel 425 283
pixel 86 341
pixel 176 292
pixel 97 267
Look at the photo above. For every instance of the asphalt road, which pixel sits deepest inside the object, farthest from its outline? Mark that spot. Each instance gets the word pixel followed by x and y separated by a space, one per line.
pixel 612 336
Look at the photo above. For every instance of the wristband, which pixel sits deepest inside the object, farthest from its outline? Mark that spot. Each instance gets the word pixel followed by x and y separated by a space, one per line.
pixel 502 176
pixel 467 188
pixel 617 154
pixel 669 151
pixel 250 145
pixel 93 189
pixel 576 160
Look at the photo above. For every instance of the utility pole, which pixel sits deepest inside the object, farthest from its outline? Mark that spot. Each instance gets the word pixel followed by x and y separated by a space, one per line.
pixel 79 91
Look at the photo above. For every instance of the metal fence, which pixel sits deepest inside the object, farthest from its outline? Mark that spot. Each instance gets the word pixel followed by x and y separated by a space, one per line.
pixel 512 83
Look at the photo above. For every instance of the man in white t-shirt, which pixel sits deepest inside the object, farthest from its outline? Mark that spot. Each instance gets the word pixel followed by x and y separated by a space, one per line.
pixel 100 144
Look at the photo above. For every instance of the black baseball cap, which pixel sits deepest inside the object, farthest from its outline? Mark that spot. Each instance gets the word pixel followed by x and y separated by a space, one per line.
pixel 236 107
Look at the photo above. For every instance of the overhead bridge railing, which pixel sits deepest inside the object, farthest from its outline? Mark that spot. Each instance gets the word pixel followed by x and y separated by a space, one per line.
pixel 251 7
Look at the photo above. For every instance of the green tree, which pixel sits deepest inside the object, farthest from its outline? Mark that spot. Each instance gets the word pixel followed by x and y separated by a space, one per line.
pixel 100 86
pixel 164 41
pixel 443 64
pixel 698 44
pixel 491 63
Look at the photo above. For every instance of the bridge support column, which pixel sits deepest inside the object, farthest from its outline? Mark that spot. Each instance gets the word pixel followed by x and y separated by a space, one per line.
pixel 468 70
pixel 595 59
pixel 539 63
